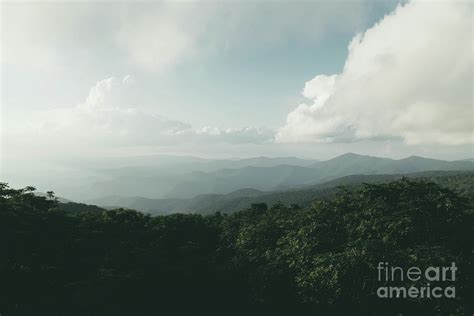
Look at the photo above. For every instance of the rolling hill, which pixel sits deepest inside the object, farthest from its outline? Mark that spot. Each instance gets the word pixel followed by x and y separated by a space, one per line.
pixel 185 178
pixel 283 177
pixel 461 182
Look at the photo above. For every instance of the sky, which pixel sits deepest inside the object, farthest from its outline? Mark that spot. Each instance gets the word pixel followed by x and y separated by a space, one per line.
pixel 235 79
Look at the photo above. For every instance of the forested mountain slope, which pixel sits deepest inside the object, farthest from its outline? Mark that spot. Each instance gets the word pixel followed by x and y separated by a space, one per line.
pixel 461 182
pixel 317 260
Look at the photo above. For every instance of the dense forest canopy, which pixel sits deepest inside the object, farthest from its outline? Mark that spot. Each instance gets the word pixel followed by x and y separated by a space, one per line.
pixel 278 260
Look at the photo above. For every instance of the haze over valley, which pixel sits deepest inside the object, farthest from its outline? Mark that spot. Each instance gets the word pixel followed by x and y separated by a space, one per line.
pixel 166 184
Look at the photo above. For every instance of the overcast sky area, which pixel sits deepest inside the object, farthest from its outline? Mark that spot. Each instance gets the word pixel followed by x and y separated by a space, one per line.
pixel 236 79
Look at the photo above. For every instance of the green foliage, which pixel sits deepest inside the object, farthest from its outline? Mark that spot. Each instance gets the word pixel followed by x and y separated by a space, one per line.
pixel 283 260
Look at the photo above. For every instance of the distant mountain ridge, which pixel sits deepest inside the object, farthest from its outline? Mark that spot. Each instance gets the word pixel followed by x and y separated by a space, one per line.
pixel 462 182
pixel 351 163
pixel 173 177
pixel 287 176
pixel 189 177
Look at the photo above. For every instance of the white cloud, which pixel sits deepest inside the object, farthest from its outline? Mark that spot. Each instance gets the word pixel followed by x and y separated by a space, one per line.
pixel 159 36
pixel 51 36
pixel 110 118
pixel 111 93
pixel 408 77
pixel 156 36
pixel 244 135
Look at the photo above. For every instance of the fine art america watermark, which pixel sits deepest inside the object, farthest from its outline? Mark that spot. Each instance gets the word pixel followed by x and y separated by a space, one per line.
pixel 429 279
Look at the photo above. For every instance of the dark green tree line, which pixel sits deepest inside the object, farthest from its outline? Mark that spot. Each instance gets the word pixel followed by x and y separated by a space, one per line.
pixel 283 260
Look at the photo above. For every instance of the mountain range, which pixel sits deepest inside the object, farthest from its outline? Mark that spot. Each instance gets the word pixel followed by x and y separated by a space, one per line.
pixel 461 182
pixel 264 174
pixel 236 187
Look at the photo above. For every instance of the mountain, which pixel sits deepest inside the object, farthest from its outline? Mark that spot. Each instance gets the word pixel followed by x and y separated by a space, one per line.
pixel 228 180
pixel 190 177
pixel 169 176
pixel 284 177
pixel 76 208
pixel 359 164
pixel 461 182
pixel 262 162
pixel 175 165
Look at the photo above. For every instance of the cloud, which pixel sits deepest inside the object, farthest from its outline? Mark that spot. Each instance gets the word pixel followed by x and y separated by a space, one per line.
pixel 110 117
pixel 53 36
pixel 408 77
pixel 244 135
pixel 157 36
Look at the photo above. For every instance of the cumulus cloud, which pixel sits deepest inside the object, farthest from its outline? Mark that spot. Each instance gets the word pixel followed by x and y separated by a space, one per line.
pixel 244 135
pixel 409 77
pixel 109 117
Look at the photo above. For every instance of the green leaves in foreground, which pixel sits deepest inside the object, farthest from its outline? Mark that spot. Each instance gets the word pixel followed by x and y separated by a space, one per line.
pixel 283 260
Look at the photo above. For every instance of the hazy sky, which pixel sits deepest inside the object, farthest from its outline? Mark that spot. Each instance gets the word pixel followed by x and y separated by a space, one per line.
pixel 236 78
